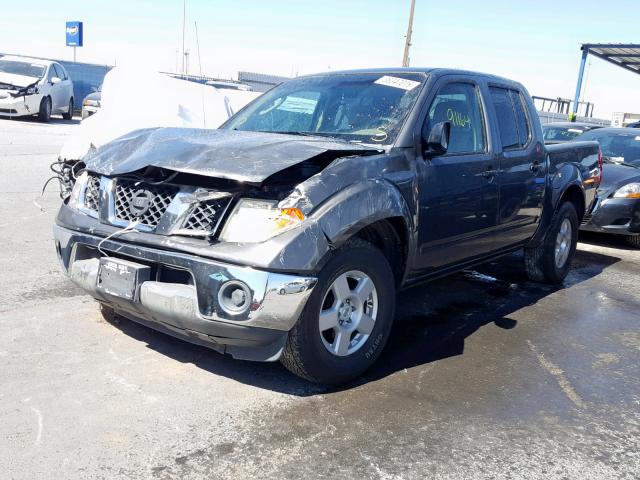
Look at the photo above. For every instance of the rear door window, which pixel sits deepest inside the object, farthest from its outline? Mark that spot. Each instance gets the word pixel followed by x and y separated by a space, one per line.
pixel 501 99
pixel 513 122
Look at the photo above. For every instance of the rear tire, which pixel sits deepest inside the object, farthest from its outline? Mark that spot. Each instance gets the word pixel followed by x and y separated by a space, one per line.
pixel 550 261
pixel 348 337
pixel 69 114
pixel 633 240
pixel 44 114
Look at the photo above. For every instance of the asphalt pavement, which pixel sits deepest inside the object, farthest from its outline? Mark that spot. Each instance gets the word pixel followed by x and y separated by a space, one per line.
pixel 486 375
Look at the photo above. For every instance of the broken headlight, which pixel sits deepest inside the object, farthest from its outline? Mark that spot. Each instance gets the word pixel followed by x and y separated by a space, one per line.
pixel 78 187
pixel 254 221
pixel 23 92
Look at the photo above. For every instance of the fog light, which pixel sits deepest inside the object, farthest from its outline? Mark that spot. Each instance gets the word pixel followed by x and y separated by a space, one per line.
pixel 234 297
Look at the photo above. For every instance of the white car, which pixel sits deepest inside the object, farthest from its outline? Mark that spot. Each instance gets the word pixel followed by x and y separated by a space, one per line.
pixel 30 86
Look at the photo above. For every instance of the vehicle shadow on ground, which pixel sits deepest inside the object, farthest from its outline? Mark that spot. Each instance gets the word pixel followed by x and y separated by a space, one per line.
pixel 432 323
pixel 606 240
pixel 52 120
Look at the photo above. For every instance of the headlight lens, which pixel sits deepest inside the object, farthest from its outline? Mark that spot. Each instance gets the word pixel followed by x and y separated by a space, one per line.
pixel 254 221
pixel 78 187
pixel 630 190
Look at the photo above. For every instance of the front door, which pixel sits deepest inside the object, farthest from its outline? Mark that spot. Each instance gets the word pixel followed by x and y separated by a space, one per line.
pixel 54 89
pixel 458 190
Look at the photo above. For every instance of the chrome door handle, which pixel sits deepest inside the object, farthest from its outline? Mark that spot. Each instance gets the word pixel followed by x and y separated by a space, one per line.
pixel 489 173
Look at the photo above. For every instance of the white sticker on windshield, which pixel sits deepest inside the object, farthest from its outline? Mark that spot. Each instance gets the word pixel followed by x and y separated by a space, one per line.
pixel 397 82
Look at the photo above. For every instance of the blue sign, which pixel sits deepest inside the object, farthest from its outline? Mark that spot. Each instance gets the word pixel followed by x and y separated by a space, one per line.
pixel 74 34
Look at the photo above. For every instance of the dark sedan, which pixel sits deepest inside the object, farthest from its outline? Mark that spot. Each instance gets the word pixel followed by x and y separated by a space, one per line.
pixel 618 208
pixel 560 132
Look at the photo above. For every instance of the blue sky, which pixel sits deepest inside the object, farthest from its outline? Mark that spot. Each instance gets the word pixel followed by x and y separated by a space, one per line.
pixel 536 42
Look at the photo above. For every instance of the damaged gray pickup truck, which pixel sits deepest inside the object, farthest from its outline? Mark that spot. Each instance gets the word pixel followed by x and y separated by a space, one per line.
pixel 286 233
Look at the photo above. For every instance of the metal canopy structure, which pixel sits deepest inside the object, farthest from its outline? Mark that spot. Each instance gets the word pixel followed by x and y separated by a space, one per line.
pixel 624 55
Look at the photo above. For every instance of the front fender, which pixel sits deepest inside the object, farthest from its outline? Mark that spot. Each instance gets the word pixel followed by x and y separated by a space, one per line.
pixel 359 205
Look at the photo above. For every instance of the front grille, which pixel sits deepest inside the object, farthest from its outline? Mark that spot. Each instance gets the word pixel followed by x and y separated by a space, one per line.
pixel 161 196
pixel 205 216
pixel 92 193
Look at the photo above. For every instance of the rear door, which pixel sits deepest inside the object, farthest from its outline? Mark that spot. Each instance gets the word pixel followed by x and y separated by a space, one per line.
pixel 522 167
pixel 458 191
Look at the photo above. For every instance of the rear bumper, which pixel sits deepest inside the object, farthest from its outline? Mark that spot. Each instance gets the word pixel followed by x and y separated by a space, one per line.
pixel 182 300
pixel 615 215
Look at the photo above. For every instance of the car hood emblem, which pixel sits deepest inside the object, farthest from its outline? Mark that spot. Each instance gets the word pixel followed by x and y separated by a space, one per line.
pixel 140 202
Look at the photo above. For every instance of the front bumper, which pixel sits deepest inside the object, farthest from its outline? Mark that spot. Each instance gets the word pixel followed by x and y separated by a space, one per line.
pixel 88 110
pixel 183 298
pixel 19 106
pixel 615 215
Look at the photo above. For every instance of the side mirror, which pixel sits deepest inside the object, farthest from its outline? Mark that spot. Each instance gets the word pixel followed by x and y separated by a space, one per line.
pixel 437 141
pixel 55 80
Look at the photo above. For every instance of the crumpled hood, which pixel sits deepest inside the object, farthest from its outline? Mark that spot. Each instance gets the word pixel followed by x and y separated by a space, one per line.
pixel 17 80
pixel 248 157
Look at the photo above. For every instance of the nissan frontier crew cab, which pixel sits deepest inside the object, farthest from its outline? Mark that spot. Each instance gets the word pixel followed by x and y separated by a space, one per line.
pixel 285 234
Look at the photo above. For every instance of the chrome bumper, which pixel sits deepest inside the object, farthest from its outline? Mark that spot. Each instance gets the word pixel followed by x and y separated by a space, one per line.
pixel 276 303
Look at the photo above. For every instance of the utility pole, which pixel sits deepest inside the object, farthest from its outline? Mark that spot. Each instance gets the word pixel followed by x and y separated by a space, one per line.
pixel 407 44
pixel 184 16
pixel 198 44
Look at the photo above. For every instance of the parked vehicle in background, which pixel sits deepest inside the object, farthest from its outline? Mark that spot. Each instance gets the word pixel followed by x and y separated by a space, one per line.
pixel 560 132
pixel 30 86
pixel 91 103
pixel 618 208
pixel 286 233
pixel 230 85
pixel 634 125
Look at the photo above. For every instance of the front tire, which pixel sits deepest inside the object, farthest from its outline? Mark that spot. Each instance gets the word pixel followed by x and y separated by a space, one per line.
pixel 550 261
pixel 44 114
pixel 69 114
pixel 347 320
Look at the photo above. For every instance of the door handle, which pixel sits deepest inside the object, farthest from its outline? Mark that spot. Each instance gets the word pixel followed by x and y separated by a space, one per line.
pixel 490 173
pixel 535 166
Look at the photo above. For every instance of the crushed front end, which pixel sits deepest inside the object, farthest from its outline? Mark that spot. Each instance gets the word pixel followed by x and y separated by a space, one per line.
pixel 147 249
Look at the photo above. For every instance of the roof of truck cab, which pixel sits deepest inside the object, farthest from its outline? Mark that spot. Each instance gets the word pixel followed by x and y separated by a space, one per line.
pixel 425 70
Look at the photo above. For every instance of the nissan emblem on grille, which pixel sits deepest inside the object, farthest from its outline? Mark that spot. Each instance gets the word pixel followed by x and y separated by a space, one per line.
pixel 140 202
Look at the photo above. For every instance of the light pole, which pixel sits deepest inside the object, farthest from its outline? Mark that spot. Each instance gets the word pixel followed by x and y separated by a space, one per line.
pixel 184 15
pixel 407 44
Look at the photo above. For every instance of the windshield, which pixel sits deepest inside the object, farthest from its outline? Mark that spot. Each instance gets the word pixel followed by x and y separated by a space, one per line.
pixel 560 134
pixel 362 107
pixel 22 68
pixel 617 147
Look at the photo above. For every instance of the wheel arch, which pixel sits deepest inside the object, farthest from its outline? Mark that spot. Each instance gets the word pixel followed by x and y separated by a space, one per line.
pixel 375 211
